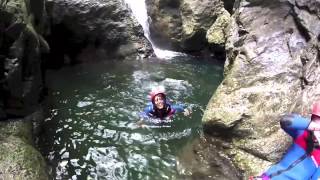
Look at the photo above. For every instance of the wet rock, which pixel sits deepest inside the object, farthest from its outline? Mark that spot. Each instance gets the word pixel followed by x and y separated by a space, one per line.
pixel 182 25
pixel 271 69
pixel 165 22
pixel 204 159
pixel 21 47
pixel 104 29
pixel 22 24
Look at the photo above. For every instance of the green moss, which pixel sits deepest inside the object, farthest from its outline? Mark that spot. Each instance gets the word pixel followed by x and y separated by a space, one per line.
pixel 188 27
pixel 19 160
pixel 216 33
pixel 18 128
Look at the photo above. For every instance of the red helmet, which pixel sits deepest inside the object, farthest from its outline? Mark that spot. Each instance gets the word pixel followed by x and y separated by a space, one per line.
pixel 316 108
pixel 155 92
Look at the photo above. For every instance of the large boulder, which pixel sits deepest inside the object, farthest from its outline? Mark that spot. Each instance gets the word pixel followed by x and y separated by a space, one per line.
pixel 271 69
pixel 93 30
pixel 18 158
pixel 188 25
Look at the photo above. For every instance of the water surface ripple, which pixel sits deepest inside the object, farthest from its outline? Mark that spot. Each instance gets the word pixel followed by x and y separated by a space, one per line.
pixel 92 132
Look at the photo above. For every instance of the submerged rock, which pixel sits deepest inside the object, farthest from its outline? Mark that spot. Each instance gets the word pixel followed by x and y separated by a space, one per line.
pixel 271 69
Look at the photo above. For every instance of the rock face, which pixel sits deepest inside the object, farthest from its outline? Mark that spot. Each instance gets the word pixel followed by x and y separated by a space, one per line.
pixel 272 68
pixel 204 159
pixel 100 28
pixel 188 25
pixel 21 47
pixel 21 86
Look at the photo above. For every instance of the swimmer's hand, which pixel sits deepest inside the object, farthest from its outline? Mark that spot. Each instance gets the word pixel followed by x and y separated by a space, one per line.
pixel 140 123
pixel 187 112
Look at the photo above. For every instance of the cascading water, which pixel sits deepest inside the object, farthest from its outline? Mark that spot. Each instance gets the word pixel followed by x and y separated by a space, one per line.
pixel 139 10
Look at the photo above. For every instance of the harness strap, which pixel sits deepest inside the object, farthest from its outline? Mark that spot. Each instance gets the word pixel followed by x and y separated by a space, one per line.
pixel 262 177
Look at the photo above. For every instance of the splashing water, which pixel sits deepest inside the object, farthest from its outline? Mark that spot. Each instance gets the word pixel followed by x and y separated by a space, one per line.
pixel 92 131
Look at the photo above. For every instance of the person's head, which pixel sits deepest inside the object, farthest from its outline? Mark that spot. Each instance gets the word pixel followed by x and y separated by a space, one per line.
pixel 158 98
pixel 159 101
pixel 315 116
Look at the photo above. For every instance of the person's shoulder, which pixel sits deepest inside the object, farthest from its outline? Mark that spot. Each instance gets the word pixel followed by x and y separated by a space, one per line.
pixel 149 107
pixel 293 116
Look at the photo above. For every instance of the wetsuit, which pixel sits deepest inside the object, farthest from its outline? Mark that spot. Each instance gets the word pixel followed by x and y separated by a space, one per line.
pixel 301 162
pixel 167 111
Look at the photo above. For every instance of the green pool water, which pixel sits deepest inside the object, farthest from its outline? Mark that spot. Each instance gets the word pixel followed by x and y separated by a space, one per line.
pixel 91 132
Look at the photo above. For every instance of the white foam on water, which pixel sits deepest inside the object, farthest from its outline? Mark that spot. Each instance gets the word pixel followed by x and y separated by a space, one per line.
pixel 84 103
pixel 137 162
pixel 109 164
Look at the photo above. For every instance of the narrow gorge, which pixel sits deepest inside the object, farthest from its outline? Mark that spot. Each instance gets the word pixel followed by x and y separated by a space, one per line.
pixel 75 76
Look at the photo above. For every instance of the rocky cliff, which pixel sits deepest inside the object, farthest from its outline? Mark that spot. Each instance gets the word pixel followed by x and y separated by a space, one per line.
pixel 22 45
pixel 272 66
pixel 98 29
pixel 271 69
pixel 189 25
pixel 76 31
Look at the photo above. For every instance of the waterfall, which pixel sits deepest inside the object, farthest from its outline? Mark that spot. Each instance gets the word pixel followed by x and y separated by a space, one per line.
pixel 139 10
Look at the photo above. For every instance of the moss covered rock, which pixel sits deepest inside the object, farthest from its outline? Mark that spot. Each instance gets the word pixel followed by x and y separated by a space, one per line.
pixel 19 160
pixel 19 128
pixel 216 33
